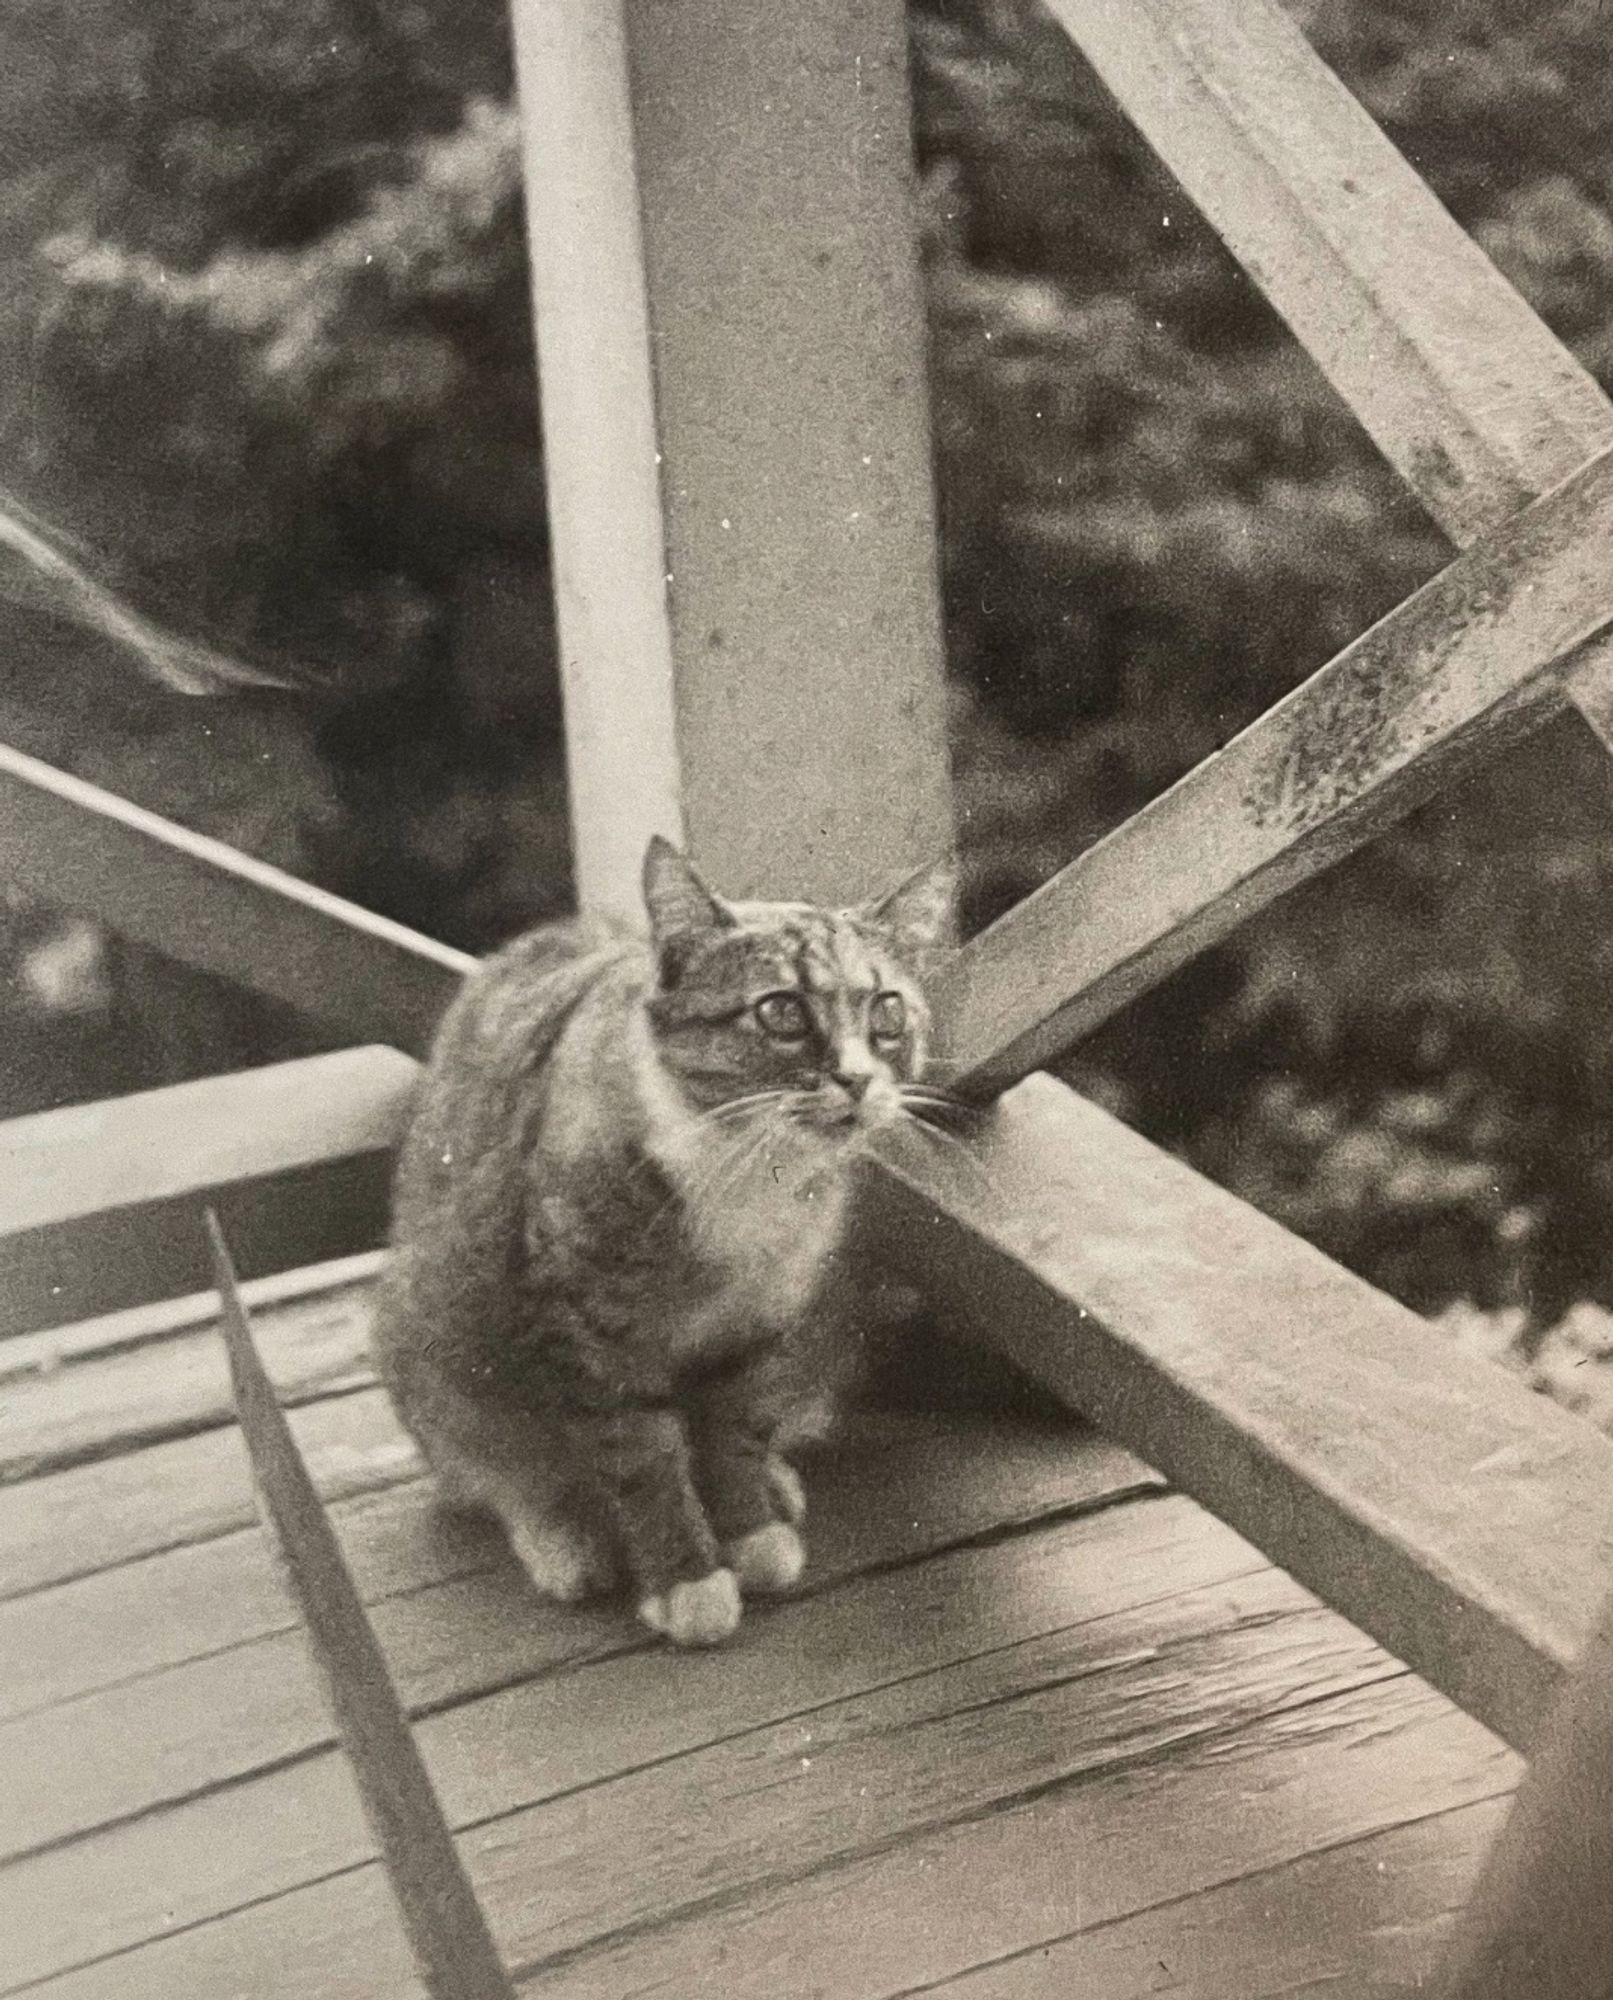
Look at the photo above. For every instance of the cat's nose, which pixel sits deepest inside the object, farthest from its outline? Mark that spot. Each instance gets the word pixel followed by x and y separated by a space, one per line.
pixel 854 1082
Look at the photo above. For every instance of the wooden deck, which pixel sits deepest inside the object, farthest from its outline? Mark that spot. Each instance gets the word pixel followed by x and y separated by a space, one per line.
pixel 1035 1725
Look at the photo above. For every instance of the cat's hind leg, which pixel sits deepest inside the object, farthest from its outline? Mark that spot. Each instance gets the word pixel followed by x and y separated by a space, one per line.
pixel 566 1557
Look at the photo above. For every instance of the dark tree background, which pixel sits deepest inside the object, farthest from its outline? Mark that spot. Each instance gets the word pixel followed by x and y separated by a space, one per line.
pixel 264 348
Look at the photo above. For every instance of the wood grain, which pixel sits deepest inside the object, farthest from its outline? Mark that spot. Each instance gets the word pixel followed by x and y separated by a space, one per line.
pixel 459 1622
pixel 1464 1521
pixel 117 1510
pixel 1109 1827
pixel 448 1935
pixel 1363 1920
pixel 1465 390
pixel 1463 387
pixel 1071 1859
pixel 98 1201
pixel 26 1354
pixel 934 1742
pixel 736 427
pixel 128 1399
pixel 1447 675
pixel 75 846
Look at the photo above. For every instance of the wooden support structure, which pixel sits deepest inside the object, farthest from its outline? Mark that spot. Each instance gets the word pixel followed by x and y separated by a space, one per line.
pixel 97 1201
pixel 448 1934
pixel 1457 668
pixel 1541 1918
pixel 739 482
pixel 724 283
pixel 68 842
pixel 1464 1522
pixel 1466 391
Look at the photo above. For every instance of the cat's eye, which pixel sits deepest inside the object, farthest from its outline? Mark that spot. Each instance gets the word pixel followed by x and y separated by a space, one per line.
pixel 784 1016
pixel 887 1016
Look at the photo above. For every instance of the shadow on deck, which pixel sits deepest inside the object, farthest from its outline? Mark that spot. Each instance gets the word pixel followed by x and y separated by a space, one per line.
pixel 1035 1725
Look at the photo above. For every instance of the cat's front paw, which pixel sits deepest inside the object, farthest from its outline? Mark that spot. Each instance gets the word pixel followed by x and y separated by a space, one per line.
pixel 701 1613
pixel 768 1560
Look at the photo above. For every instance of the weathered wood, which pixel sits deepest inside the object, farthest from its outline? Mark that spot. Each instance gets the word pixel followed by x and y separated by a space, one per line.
pixel 211 1597
pixel 462 1623
pixel 783 373
pixel 58 1166
pixel 1466 391
pixel 606 530
pixel 447 1931
pixel 125 1400
pixel 1463 1521
pixel 1118 1834
pixel 919 1749
pixel 1363 1920
pixel 72 844
pixel 1076 1858
pixel 1446 676
pixel 117 1510
pixel 25 1354
pixel 1541 1921
pixel 97 1202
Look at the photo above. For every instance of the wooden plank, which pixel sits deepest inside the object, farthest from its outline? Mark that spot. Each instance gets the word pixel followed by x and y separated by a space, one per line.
pixel 780 373
pixel 58 1166
pixel 1541 1921
pixel 1443 678
pixel 448 1934
pixel 1074 1858
pixel 161 1610
pixel 25 1354
pixel 98 1201
pixel 1465 1522
pixel 121 1625
pixel 467 1624
pixel 128 1400
pixel 599 442
pixel 867 1751
pixel 70 843
pixel 1118 1810
pixel 1364 1920
pixel 117 1510
pixel 558 1737
pixel 1465 390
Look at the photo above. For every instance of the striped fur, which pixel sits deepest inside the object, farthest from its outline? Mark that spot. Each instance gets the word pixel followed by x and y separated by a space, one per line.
pixel 624 1185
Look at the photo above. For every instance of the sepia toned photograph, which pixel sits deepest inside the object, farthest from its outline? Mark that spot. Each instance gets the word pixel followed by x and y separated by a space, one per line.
pixel 806 999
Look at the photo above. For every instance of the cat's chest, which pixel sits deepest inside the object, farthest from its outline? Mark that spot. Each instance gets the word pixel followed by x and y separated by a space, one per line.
pixel 764 1253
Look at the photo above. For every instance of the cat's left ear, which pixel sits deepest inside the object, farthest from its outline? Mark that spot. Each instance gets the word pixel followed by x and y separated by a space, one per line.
pixel 681 909
pixel 920 913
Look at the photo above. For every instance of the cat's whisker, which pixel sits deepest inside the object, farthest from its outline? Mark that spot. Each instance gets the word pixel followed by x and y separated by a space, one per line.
pixel 953 1147
pixel 737 1108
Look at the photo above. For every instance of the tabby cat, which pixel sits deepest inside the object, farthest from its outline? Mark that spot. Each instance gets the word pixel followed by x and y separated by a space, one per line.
pixel 624 1183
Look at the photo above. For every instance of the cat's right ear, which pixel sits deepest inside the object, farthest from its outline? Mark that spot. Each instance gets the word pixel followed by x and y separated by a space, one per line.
pixel 682 911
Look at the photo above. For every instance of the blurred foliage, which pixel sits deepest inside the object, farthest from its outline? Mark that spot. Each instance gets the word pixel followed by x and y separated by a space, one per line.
pixel 265 329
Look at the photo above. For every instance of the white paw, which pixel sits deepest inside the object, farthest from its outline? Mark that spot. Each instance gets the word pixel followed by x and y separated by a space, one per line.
pixel 768 1560
pixel 563 1562
pixel 702 1613
pixel 788 1491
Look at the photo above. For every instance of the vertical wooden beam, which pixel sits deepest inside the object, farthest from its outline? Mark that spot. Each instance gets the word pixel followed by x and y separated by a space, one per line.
pixel 599 440
pixel 743 299
pixel 1541 1918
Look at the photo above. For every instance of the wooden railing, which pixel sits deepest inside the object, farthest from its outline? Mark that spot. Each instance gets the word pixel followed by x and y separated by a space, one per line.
pixel 720 687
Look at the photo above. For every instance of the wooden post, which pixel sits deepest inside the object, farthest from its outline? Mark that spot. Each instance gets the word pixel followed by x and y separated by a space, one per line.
pixel 1541 1918
pixel 731 352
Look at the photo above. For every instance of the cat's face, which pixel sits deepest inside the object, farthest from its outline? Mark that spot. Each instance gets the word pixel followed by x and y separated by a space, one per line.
pixel 815 1018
